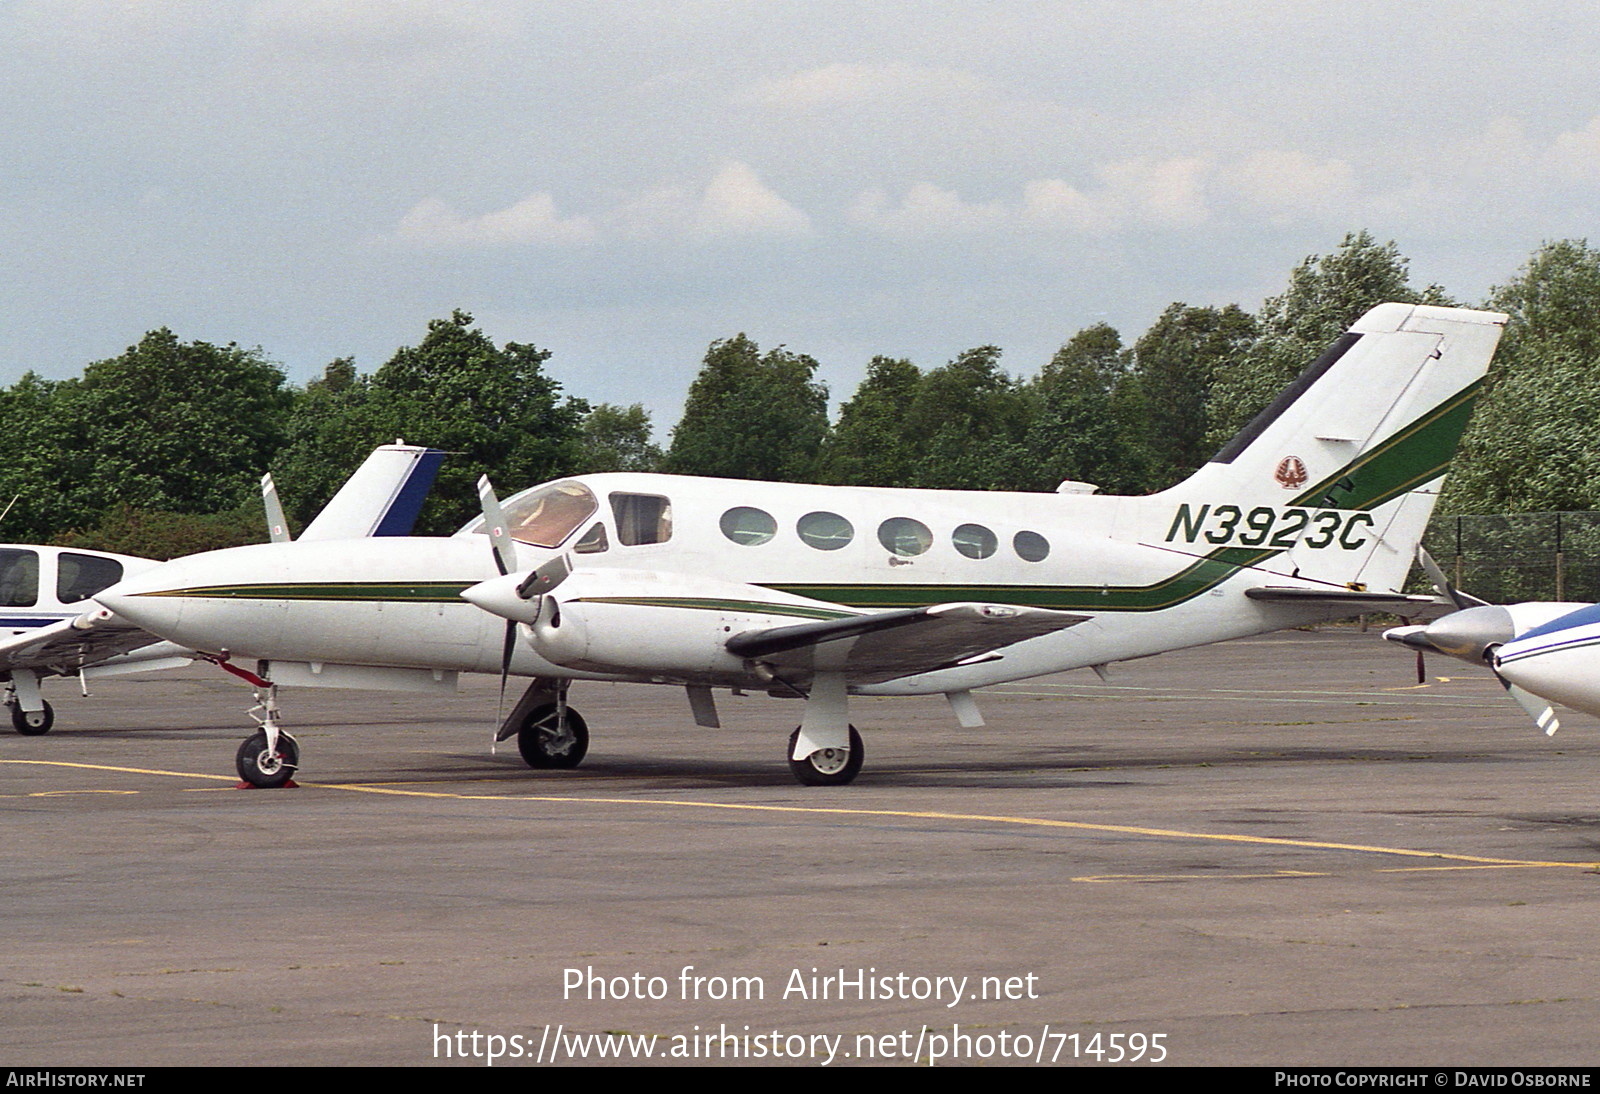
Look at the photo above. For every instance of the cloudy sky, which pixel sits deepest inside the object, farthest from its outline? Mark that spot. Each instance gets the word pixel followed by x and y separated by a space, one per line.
pixel 623 182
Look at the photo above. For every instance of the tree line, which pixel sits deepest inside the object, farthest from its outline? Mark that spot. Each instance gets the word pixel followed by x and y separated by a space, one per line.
pixel 158 451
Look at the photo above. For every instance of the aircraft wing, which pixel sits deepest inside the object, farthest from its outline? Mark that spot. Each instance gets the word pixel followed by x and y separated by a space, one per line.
pixel 870 649
pixel 72 644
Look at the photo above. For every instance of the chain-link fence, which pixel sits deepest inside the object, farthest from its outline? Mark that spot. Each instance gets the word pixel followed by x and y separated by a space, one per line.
pixel 1507 557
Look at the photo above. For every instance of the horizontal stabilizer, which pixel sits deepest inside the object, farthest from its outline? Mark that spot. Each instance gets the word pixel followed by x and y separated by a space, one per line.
pixel 1356 600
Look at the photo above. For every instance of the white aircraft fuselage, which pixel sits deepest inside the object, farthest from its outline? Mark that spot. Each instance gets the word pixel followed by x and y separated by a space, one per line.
pixel 397 602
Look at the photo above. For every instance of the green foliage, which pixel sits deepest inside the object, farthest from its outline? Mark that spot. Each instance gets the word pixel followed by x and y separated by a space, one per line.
pixel 617 438
pixel 1326 294
pixel 1534 442
pixel 1084 417
pixel 869 445
pixel 967 421
pixel 1174 366
pixel 494 409
pixel 154 533
pixel 168 425
pixel 751 415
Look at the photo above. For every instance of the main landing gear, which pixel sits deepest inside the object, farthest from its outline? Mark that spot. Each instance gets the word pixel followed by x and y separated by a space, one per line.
pixel 31 716
pixel 549 733
pixel 827 766
pixel 33 723
pixel 553 735
pixel 267 765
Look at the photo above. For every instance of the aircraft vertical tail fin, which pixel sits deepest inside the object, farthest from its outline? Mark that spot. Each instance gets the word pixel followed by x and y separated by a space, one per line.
pixel 1336 479
pixel 382 497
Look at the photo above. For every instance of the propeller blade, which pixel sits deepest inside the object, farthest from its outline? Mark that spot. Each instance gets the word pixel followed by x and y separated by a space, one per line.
pixel 494 519
pixel 506 650
pixel 545 578
pixel 1442 586
pixel 505 559
pixel 277 525
pixel 1542 713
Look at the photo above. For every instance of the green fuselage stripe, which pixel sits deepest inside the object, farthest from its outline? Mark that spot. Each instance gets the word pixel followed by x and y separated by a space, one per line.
pixel 409 592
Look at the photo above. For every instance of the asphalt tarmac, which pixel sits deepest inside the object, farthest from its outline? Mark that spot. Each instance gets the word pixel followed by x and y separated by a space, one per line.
pixel 1274 851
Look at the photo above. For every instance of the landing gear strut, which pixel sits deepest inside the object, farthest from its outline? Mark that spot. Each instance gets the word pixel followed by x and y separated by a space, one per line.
pixel 269 757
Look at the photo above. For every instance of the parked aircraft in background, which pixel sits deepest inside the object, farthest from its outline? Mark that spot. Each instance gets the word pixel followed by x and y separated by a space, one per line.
pixel 1477 631
pixel 49 626
pixel 1557 661
pixel 43 593
pixel 1314 511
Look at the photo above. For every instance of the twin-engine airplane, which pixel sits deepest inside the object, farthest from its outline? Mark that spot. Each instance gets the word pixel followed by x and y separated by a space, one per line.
pixel 49 626
pixel 1313 512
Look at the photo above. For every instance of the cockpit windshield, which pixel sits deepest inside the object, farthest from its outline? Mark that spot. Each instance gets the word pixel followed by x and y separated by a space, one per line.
pixel 548 515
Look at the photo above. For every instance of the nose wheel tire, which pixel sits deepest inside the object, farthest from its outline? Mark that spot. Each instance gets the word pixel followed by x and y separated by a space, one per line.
pixel 828 766
pixel 268 770
pixel 545 742
pixel 32 723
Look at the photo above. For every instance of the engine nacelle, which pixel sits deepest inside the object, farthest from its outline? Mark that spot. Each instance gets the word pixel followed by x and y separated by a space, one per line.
pixel 646 623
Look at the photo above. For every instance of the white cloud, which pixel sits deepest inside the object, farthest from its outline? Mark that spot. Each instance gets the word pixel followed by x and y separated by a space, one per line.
pixel 1054 205
pixel 926 210
pixel 1575 155
pixel 533 220
pixel 849 84
pixel 1290 181
pixel 1132 193
pixel 735 202
pixel 1167 193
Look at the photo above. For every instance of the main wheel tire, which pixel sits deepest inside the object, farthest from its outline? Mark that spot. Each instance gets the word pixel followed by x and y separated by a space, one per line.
pixel 33 723
pixel 543 741
pixel 828 766
pixel 268 770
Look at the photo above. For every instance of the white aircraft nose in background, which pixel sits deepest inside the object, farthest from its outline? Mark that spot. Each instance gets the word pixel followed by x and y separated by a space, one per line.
pixel 1559 661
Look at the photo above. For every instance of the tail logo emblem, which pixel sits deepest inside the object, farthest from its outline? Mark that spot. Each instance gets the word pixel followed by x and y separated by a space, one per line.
pixel 1291 473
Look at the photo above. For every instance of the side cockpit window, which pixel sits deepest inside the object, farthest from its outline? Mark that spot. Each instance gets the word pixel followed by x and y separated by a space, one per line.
pixel 79 577
pixel 19 578
pixel 641 518
pixel 547 516
pixel 593 542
